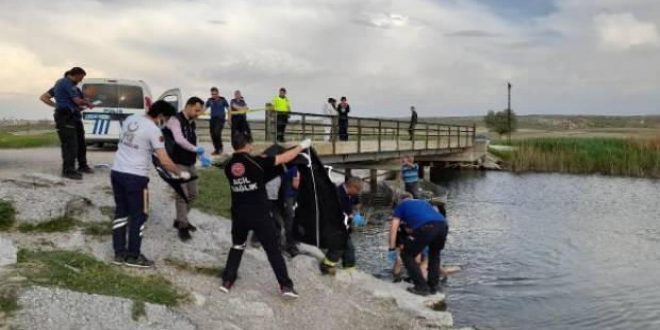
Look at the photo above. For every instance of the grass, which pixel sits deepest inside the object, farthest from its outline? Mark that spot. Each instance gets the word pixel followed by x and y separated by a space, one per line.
pixel 97 229
pixel 11 141
pixel 214 195
pixel 138 310
pixel 80 272
pixel 609 156
pixel 60 224
pixel 209 271
pixel 8 302
pixel 7 215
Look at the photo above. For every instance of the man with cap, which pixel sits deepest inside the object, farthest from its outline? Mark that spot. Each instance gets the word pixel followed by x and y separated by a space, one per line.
pixel 218 105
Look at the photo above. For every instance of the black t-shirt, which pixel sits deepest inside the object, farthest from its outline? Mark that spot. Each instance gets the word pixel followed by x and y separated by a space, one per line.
pixel 247 176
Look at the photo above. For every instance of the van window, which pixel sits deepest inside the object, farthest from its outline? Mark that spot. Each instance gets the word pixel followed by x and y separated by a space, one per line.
pixel 115 96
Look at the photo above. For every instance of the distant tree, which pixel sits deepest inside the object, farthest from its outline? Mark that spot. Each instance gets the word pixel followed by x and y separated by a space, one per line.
pixel 499 121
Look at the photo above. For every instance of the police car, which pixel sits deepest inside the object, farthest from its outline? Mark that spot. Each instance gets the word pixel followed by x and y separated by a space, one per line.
pixel 114 100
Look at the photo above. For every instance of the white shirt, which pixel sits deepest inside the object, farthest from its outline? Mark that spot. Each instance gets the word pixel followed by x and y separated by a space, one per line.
pixel 328 110
pixel 139 139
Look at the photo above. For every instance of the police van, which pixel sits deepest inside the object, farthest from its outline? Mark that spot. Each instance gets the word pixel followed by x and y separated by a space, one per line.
pixel 114 100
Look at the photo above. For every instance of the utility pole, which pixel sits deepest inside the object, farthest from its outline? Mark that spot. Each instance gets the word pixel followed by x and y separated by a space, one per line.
pixel 508 110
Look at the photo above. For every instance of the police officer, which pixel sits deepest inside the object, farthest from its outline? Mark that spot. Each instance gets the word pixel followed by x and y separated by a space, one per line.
pixel 425 226
pixel 282 108
pixel 247 176
pixel 343 108
pixel 68 103
pixel 349 200
pixel 238 115
pixel 181 142
pixel 140 139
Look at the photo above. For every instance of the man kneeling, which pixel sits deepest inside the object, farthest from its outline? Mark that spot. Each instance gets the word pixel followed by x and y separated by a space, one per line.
pixel 426 227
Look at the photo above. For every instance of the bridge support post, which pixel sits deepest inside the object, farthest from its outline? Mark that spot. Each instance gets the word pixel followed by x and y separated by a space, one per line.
pixel 373 180
pixel 435 171
pixel 347 174
pixel 420 171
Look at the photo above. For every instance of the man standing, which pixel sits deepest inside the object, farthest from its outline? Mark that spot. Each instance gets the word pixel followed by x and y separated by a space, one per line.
pixel 218 105
pixel 329 110
pixel 140 139
pixel 343 109
pixel 238 115
pixel 349 199
pixel 68 120
pixel 247 176
pixel 410 174
pixel 426 227
pixel 413 122
pixel 183 151
pixel 282 108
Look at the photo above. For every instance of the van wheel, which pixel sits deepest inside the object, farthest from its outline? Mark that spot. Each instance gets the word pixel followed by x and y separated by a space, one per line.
pixel 99 144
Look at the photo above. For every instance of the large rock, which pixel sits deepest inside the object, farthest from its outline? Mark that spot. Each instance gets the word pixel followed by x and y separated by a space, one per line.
pixel 48 308
pixel 7 252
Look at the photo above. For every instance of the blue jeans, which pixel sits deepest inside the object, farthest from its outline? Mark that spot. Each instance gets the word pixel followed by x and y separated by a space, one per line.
pixel 132 205
pixel 433 235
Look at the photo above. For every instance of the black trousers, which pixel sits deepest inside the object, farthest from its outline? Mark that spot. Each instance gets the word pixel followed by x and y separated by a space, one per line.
pixel 282 121
pixel 68 132
pixel 240 124
pixel 216 126
pixel 266 233
pixel 413 189
pixel 82 146
pixel 347 254
pixel 411 131
pixel 433 235
pixel 132 205
pixel 343 129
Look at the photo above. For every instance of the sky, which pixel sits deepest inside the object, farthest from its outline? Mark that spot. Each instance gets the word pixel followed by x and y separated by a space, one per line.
pixel 446 57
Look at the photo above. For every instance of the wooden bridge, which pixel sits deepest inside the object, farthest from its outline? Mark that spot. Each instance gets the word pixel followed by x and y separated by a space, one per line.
pixel 372 143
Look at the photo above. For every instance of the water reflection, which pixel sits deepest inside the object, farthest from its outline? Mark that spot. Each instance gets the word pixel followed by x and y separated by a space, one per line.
pixel 548 251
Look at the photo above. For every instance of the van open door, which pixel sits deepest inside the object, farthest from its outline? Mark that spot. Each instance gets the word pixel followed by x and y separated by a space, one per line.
pixel 173 97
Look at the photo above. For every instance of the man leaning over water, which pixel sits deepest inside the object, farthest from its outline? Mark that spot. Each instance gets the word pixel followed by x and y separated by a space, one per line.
pixel 425 226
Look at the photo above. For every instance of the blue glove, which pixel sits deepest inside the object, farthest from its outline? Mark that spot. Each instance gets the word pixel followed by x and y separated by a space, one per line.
pixel 359 220
pixel 392 256
pixel 199 151
pixel 205 161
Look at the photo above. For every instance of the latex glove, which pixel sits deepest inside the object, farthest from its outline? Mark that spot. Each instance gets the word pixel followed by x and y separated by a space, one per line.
pixel 359 220
pixel 306 143
pixel 184 175
pixel 205 161
pixel 199 151
pixel 392 256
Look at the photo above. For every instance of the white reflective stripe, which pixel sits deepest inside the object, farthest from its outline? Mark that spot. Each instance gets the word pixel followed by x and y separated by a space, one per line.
pixel 142 228
pixel 346 220
pixel 239 247
pixel 119 225
pixel 120 220
pixel 141 234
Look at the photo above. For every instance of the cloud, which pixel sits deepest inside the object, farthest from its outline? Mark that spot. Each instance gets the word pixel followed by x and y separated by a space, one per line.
pixel 446 57
pixel 624 31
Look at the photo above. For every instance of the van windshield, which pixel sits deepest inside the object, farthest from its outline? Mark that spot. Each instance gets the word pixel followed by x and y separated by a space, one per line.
pixel 115 96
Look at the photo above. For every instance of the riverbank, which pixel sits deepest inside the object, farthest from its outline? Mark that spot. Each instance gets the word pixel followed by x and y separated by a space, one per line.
pixel 607 156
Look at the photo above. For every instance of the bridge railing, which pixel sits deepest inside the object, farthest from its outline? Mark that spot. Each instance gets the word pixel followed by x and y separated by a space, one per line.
pixel 367 134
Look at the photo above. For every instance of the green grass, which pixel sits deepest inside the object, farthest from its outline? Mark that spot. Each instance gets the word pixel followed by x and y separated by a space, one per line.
pixel 97 228
pixel 214 195
pixel 60 224
pixel 208 271
pixel 11 141
pixel 624 157
pixel 80 272
pixel 7 215
pixel 505 155
pixel 138 310
pixel 8 302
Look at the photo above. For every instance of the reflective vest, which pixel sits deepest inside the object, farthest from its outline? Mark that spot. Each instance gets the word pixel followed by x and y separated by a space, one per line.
pixel 281 104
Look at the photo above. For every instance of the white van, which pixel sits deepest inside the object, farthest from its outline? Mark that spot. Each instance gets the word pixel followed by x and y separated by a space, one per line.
pixel 114 100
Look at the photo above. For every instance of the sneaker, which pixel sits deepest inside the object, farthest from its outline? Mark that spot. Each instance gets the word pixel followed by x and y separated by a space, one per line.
pixel 73 175
pixel 419 292
pixel 327 269
pixel 119 259
pixel 184 234
pixel 288 293
pixel 397 278
pixel 140 262
pixel 226 286
pixel 86 170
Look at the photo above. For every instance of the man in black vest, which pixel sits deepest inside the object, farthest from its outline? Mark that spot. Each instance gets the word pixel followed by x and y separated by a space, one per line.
pixel 181 144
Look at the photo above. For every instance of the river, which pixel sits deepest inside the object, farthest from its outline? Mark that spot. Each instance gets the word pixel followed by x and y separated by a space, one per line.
pixel 547 251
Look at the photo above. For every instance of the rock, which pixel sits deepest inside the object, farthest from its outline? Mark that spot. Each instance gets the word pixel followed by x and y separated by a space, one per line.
pixel 199 299
pixel 7 252
pixel 48 308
